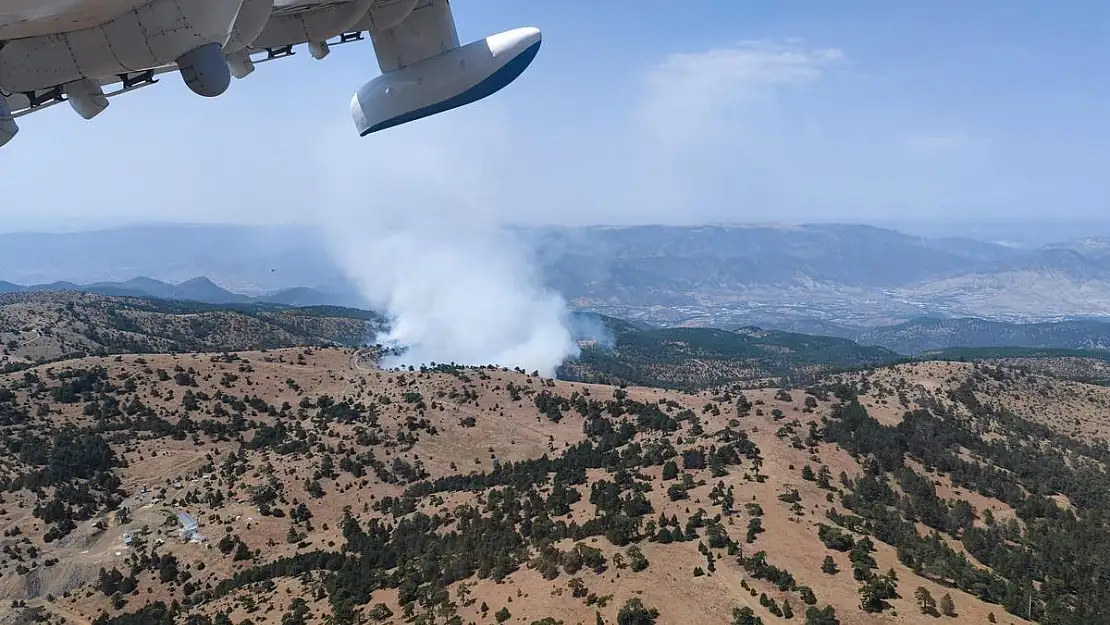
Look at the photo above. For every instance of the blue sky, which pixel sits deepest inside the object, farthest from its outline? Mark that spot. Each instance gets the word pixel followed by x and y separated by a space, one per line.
pixel 634 112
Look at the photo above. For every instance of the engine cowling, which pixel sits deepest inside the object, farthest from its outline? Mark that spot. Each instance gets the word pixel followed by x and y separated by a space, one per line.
pixel 456 78
pixel 205 70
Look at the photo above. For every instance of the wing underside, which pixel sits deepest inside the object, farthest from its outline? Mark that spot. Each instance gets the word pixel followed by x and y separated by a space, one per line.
pixel 20 19
pixel 263 30
pixel 85 52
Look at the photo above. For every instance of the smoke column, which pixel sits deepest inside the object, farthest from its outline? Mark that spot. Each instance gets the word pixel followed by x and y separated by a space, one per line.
pixel 415 229
pixel 590 327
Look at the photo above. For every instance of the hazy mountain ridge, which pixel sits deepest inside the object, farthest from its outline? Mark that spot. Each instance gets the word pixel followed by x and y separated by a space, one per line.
pixel 833 275
pixel 198 289
pixel 1042 285
pixel 840 275
pixel 914 337
pixel 924 335
pixel 246 259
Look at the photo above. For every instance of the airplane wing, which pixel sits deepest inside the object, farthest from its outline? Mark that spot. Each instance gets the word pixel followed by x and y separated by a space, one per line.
pixel 85 52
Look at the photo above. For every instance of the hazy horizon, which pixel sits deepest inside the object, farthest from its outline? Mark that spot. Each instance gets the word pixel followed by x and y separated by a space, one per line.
pixel 1022 234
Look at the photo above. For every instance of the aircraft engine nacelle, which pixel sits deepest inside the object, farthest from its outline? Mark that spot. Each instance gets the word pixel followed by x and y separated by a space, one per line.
pixel 456 78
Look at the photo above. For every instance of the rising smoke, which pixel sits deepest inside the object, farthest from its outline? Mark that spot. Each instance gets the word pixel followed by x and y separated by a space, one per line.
pixel 592 328
pixel 468 297
pixel 412 221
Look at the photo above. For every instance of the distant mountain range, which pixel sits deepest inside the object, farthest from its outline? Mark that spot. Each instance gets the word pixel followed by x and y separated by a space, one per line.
pixel 796 277
pixel 927 335
pixel 246 259
pixel 835 279
pixel 198 289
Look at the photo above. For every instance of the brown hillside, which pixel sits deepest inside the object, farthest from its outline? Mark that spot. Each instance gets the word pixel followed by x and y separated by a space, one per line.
pixel 40 327
pixel 241 441
pixel 1077 409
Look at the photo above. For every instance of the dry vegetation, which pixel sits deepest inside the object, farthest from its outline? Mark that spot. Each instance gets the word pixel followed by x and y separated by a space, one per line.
pixel 424 426
pixel 1080 410
pixel 327 489
pixel 40 327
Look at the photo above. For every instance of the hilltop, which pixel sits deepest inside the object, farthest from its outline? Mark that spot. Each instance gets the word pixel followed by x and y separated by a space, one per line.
pixel 1029 390
pixel 44 326
pixel 705 357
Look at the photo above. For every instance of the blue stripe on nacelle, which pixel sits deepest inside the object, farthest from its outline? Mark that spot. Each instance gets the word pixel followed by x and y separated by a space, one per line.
pixel 491 85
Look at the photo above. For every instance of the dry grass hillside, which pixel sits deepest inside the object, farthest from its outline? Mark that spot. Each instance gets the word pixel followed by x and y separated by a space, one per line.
pixel 327 489
pixel 40 327
pixel 1077 409
pixel 1084 368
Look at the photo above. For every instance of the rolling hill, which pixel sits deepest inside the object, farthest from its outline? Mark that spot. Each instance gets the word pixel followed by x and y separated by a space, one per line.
pixel 43 326
pixel 327 489
pixel 704 357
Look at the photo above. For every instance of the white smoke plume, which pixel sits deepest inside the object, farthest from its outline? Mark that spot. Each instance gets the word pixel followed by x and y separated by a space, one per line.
pixel 591 327
pixel 413 218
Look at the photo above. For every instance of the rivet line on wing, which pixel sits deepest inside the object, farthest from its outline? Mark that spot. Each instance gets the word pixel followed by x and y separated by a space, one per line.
pixel 72 54
pixel 146 35
pixel 111 48
pixel 185 20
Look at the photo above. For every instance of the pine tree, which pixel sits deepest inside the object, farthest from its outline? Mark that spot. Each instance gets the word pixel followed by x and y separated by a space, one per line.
pixel 242 552
pixel 670 470
pixel 633 612
pixel 745 616
pixel 824 478
pixel 925 600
